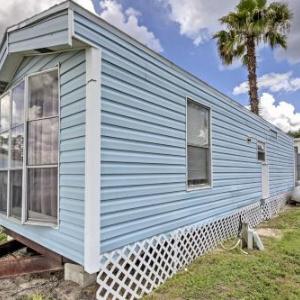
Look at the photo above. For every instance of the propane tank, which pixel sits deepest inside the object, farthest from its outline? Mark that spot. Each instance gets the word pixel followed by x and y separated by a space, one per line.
pixel 296 193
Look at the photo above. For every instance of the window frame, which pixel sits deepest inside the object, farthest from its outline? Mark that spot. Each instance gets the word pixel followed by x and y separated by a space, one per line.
pixel 24 209
pixel 209 185
pixel 9 204
pixel 265 147
pixel 8 92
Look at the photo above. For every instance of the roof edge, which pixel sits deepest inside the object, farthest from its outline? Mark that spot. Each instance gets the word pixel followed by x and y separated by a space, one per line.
pixel 114 30
pixel 41 15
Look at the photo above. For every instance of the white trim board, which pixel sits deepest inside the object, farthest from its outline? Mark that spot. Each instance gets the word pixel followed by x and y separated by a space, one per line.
pixel 92 161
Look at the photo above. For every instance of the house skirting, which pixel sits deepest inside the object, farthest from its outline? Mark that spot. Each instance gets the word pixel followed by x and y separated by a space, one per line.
pixel 137 269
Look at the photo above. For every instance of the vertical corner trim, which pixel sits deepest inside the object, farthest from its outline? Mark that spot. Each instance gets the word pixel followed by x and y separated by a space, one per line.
pixel 70 26
pixel 92 161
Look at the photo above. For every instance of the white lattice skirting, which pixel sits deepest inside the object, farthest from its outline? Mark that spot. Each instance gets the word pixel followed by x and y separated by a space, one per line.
pixel 136 269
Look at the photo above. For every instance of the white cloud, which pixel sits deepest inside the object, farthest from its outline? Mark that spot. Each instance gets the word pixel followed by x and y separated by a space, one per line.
pixel 237 63
pixel 273 82
pixel 198 19
pixel 128 21
pixel 14 11
pixel 292 54
pixel 282 115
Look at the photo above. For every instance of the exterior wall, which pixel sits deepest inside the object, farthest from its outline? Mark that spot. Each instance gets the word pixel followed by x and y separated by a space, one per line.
pixel 68 238
pixel 143 191
pixel 51 31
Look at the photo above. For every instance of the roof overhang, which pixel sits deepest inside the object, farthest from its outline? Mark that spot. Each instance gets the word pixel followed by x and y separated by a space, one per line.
pixel 47 32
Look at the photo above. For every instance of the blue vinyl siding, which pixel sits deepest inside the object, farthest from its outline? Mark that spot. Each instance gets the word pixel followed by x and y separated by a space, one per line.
pixel 68 238
pixel 3 54
pixel 49 32
pixel 143 189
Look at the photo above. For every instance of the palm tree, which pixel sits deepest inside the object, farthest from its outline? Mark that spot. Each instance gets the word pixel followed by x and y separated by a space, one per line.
pixel 253 22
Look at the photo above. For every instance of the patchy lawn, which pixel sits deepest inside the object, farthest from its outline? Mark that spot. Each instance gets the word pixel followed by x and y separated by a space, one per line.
pixel 271 274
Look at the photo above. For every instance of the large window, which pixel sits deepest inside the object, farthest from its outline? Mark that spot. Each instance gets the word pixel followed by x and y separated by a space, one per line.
pixel 198 145
pixel 29 126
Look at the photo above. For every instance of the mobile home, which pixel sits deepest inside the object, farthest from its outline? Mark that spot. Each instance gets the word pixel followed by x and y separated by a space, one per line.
pixel 117 159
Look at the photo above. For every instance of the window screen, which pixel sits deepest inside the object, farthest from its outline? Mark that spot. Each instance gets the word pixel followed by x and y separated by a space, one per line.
pixel 198 145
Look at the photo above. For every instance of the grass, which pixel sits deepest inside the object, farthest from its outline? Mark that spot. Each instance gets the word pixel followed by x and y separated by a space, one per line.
pixel 2 237
pixel 271 274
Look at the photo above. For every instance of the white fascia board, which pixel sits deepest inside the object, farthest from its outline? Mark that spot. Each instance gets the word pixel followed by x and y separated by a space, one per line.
pixel 52 10
pixel 92 161
pixel 70 26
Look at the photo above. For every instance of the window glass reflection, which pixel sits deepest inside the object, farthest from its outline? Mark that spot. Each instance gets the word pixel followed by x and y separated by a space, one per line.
pixel 16 193
pixel 42 194
pixel 4 150
pixel 3 192
pixel 17 105
pixel 43 95
pixel 4 113
pixel 17 141
pixel 43 142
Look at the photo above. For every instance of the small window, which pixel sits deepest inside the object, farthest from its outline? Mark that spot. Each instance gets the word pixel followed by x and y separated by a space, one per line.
pixel 261 151
pixel 198 145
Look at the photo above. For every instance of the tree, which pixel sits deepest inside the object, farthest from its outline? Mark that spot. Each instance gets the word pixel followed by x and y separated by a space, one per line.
pixel 294 134
pixel 253 22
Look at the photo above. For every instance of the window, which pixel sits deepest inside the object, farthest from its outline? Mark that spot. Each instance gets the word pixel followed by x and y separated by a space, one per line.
pixel 4 145
pixel 16 150
pixel 29 128
pixel 42 147
pixel 261 151
pixel 198 145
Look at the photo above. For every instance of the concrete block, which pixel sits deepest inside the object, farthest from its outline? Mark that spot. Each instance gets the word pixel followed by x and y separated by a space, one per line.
pixel 250 239
pixel 77 274
pixel 257 241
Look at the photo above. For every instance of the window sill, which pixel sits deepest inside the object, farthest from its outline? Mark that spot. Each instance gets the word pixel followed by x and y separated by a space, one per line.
pixel 42 224
pixel 199 187
pixel 29 223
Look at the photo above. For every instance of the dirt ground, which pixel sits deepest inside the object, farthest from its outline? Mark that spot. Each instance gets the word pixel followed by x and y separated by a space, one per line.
pixel 44 287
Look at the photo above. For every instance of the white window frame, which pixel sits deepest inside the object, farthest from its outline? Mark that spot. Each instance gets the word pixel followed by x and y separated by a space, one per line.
pixel 9 152
pixel 209 185
pixel 265 147
pixel 7 168
pixel 24 215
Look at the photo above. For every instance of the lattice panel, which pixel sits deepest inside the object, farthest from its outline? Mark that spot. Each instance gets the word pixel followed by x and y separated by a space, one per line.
pixel 135 270
pixel 273 206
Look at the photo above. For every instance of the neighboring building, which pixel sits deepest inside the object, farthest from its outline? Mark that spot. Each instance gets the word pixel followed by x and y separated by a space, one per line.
pixel 119 160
